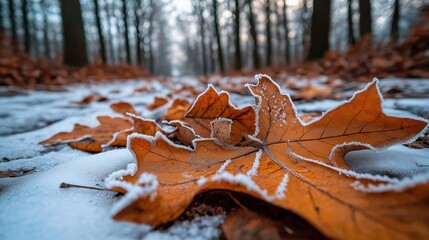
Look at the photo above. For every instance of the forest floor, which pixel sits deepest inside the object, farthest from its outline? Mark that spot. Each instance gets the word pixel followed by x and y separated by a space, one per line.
pixel 33 206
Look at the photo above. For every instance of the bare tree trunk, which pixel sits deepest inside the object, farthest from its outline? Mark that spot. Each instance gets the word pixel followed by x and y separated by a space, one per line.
pixel 254 36
pixel 199 11
pixel 394 30
pixel 46 43
pixel 110 39
pixel 365 19
pixel 74 46
pixel 305 27
pixel 236 13
pixel 218 37
pixel 139 38
pixel 126 32
pixel 26 25
pixel 320 27
pixel 12 19
pixel 286 28
pixel 150 33
pixel 100 32
pixel 268 32
pixel 211 53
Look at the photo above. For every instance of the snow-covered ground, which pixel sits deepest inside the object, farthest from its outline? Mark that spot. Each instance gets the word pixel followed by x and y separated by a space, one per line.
pixel 33 206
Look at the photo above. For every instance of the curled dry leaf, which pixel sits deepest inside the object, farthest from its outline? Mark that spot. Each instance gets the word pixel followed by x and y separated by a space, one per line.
pixel 211 105
pixel 183 132
pixel 92 138
pixel 157 102
pixel 141 126
pixel 177 110
pixel 123 108
pixel 293 168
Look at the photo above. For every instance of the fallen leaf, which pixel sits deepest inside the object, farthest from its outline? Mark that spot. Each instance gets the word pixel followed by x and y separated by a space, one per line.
pixel 177 110
pixel 157 102
pixel 101 135
pixel 183 132
pixel 140 125
pixel 87 144
pixel 123 108
pixel 249 225
pixel 211 105
pixel 92 98
pixel 292 166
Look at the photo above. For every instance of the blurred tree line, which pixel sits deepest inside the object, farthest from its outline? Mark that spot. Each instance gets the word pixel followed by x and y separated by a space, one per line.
pixel 212 36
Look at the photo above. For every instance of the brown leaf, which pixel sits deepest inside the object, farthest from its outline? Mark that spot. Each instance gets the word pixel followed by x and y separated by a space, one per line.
pixel 158 102
pixel 211 105
pixel 123 108
pixel 183 132
pixel 140 125
pixel 177 110
pixel 92 98
pixel 293 167
pixel 100 135
pixel 249 225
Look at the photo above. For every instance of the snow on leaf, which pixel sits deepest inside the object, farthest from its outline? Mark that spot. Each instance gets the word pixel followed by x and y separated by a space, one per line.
pixel 292 166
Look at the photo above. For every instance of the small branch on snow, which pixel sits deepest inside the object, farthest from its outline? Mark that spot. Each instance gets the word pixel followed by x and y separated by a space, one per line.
pixel 68 185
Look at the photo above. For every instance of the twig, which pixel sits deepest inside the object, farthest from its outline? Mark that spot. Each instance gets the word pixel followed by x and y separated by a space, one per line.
pixel 68 185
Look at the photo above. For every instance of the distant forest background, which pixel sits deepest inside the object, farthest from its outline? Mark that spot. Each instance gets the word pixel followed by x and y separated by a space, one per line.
pixel 191 37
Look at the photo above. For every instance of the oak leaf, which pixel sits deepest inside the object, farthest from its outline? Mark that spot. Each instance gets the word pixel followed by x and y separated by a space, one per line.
pixel 294 165
pixel 91 139
pixel 141 126
pixel 211 105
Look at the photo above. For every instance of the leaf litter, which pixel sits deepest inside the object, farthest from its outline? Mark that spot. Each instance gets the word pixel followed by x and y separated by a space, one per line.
pixel 245 177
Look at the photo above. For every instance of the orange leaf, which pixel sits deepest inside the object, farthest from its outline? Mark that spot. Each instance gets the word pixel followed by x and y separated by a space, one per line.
pixel 158 102
pixel 292 166
pixel 177 110
pixel 123 108
pixel 184 133
pixel 141 126
pixel 100 135
pixel 211 105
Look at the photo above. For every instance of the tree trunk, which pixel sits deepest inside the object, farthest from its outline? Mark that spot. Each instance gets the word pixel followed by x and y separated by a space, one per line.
pixel 100 31
pixel 236 13
pixel 211 53
pixel 126 32
pixel 268 32
pixel 150 33
pixel 394 30
pixel 109 26
pixel 254 36
pixel 26 25
pixel 320 27
pixel 139 38
pixel 199 12
pixel 286 28
pixel 352 39
pixel 365 19
pixel 74 46
pixel 46 42
pixel 218 37
pixel 305 27
pixel 12 19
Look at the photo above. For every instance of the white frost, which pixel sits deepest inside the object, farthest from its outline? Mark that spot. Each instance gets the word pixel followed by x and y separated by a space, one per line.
pixel 254 170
